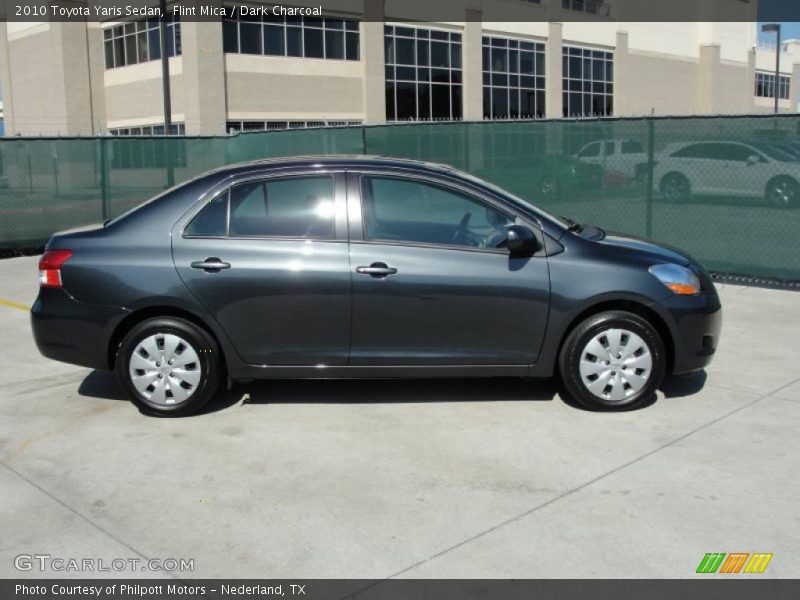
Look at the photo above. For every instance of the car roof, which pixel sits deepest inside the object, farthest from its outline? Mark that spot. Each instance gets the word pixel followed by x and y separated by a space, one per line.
pixel 334 160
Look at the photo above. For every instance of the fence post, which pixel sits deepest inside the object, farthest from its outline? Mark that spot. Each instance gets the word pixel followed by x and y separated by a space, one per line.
pixel 170 153
pixel 650 168
pixel 104 179
pixel 30 174
pixel 363 139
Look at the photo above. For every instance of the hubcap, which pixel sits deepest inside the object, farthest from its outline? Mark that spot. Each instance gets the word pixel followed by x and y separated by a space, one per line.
pixel 165 369
pixel 615 364
pixel 782 193
pixel 674 188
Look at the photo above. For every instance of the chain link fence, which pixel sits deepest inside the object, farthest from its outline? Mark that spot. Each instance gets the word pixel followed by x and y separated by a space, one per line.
pixel 725 189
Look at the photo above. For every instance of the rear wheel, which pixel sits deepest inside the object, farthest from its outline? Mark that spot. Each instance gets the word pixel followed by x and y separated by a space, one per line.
pixel 675 187
pixel 783 192
pixel 613 360
pixel 168 366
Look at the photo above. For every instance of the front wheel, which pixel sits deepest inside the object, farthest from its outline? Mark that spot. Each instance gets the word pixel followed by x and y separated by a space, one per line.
pixel 783 192
pixel 611 361
pixel 168 366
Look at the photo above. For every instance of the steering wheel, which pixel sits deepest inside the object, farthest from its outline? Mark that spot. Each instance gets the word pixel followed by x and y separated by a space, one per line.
pixel 461 230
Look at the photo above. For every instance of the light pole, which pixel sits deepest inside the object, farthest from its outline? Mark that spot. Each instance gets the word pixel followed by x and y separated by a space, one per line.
pixel 776 27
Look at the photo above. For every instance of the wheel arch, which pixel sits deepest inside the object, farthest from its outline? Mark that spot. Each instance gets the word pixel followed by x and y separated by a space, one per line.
pixel 150 312
pixel 637 308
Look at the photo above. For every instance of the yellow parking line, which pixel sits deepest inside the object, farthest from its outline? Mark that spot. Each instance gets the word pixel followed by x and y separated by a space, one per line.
pixel 10 304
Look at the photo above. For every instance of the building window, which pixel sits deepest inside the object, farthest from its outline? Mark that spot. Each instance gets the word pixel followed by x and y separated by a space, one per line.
pixel 248 126
pixel 592 7
pixel 588 80
pixel 140 41
pixel 423 74
pixel 765 86
pixel 513 79
pixel 174 129
pixel 302 37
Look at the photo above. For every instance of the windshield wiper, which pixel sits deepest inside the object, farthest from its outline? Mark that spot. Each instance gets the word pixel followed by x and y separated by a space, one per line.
pixel 573 225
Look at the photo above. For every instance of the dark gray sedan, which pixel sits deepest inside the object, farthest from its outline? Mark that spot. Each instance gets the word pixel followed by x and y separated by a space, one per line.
pixel 366 267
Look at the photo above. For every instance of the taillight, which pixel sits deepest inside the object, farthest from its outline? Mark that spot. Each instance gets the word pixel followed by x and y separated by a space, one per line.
pixel 50 267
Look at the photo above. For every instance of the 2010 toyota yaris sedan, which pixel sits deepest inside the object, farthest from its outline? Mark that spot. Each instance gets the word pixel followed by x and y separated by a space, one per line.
pixel 358 267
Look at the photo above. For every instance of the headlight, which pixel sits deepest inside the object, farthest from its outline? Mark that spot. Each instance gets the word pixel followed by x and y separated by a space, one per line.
pixel 677 278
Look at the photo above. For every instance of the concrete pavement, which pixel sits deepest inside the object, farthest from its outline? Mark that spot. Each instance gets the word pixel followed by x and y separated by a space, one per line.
pixel 369 479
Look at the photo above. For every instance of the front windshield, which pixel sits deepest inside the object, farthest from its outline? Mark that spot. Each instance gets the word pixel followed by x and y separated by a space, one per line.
pixel 776 152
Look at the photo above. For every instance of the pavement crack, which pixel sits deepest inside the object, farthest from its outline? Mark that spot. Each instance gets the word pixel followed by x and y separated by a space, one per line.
pixel 574 490
pixel 78 514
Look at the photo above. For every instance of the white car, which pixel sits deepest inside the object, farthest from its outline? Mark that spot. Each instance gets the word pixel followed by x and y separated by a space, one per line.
pixel 617 157
pixel 728 168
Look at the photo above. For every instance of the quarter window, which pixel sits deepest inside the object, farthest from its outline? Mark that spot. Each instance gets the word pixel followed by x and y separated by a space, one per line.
pixel 212 221
pixel 405 210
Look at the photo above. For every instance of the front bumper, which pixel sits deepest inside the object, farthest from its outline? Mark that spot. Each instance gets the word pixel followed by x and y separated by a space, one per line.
pixel 695 323
pixel 71 331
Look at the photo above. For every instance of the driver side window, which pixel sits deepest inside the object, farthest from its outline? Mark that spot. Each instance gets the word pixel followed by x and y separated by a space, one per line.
pixel 407 210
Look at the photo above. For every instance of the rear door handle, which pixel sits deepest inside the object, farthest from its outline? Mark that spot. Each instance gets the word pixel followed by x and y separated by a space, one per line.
pixel 377 269
pixel 211 265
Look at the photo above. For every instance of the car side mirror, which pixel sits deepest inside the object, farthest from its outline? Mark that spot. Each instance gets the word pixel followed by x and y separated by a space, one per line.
pixel 752 160
pixel 520 241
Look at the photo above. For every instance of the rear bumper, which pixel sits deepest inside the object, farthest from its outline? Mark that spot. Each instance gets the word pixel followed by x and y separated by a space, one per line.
pixel 71 331
pixel 695 322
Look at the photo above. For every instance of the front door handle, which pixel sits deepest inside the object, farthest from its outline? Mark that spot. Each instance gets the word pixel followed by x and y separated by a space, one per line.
pixel 211 265
pixel 377 269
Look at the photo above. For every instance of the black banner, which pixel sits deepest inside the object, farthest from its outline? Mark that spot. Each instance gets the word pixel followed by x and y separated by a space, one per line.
pixel 440 10
pixel 734 587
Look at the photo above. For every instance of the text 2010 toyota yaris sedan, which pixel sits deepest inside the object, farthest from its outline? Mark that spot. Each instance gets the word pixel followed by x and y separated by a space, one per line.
pixel 366 267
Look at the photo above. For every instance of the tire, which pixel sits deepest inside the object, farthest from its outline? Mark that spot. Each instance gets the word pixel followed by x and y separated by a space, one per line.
pixel 629 382
pixel 675 187
pixel 783 192
pixel 175 389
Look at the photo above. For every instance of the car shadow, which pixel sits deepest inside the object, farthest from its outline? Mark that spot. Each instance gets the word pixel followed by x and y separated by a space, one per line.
pixel 101 384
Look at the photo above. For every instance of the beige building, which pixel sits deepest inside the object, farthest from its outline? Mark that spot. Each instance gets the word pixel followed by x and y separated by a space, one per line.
pixel 362 62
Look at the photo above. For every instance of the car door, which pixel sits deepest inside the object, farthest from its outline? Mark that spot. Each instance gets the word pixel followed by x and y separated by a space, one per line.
pixel 430 287
pixel 738 176
pixel 700 164
pixel 267 258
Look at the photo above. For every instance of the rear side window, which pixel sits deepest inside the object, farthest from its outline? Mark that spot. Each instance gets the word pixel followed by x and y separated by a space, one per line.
pixel 290 207
pixel 629 147
pixel 592 149
pixel 695 151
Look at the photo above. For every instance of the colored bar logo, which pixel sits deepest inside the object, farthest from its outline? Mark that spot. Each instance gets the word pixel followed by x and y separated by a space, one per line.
pixel 735 562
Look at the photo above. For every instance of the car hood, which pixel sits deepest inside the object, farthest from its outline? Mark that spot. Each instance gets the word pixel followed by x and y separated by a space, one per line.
pixel 658 251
